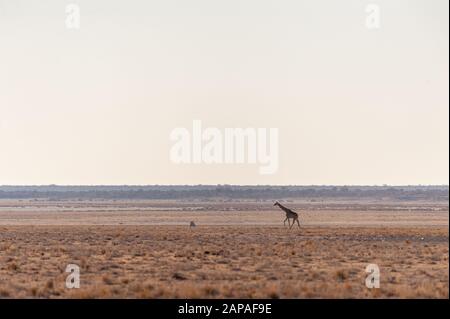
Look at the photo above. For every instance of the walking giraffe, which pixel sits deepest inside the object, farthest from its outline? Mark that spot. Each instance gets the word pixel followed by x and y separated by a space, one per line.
pixel 289 214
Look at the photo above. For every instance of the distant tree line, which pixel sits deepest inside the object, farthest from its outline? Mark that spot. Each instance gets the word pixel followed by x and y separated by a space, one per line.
pixel 408 193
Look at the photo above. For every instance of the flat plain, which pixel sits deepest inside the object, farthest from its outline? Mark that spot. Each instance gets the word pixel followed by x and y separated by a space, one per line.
pixel 145 249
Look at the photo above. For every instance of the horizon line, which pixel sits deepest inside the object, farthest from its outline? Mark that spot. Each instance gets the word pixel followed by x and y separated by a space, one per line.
pixel 278 185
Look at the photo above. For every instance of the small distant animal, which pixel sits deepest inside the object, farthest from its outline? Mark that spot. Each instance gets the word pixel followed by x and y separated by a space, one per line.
pixel 192 225
pixel 290 214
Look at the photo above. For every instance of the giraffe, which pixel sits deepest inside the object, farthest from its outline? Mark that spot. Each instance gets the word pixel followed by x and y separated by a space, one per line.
pixel 289 214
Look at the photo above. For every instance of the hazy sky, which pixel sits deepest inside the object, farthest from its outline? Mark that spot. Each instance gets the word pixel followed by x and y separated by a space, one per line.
pixel 353 105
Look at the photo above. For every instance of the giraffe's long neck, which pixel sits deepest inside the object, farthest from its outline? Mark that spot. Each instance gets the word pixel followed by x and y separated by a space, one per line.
pixel 283 208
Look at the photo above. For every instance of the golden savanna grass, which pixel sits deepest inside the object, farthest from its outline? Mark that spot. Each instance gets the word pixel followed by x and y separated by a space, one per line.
pixel 223 261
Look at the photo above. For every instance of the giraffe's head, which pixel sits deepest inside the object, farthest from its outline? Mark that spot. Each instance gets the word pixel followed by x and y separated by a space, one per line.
pixel 276 203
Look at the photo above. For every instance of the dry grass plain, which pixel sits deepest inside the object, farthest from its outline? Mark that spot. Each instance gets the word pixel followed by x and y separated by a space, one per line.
pixel 138 250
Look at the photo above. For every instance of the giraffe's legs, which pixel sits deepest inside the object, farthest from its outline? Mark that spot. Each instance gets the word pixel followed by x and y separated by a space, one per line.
pixel 293 221
pixel 287 219
pixel 298 223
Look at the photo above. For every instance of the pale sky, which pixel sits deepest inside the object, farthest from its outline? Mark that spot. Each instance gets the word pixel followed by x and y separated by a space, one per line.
pixel 97 105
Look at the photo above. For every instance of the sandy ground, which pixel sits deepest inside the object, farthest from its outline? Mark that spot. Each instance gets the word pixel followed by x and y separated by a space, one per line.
pixel 138 250
pixel 222 213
